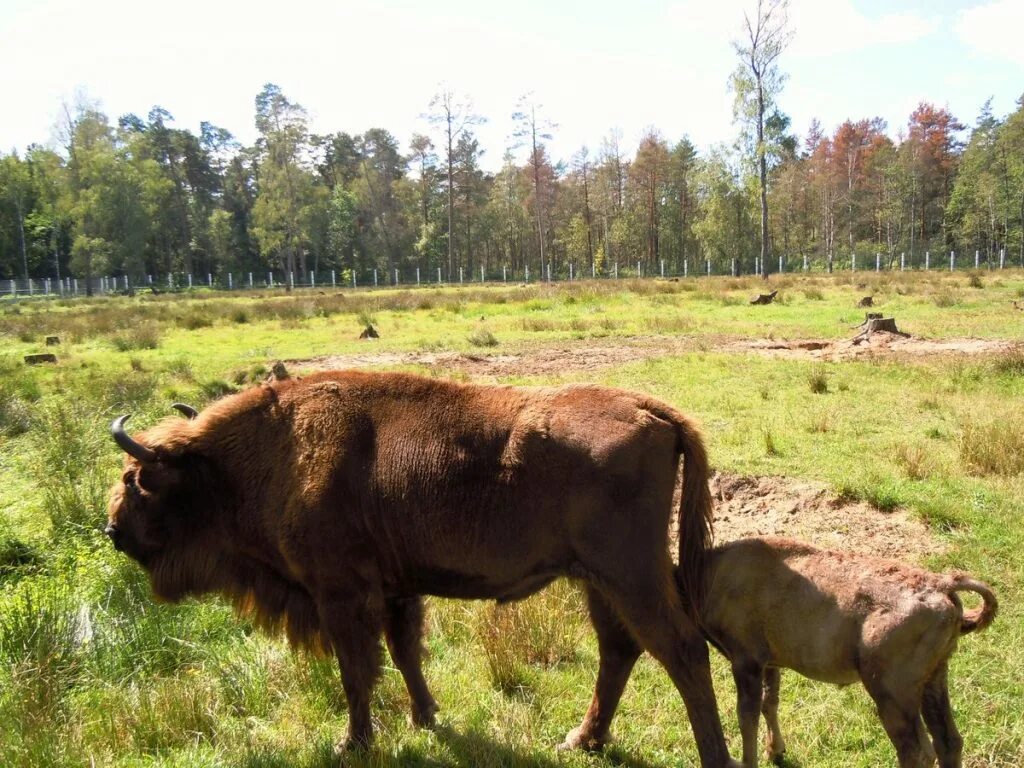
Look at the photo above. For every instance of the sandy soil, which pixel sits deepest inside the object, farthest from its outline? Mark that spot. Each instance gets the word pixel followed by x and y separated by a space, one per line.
pixel 878 344
pixel 594 354
pixel 780 506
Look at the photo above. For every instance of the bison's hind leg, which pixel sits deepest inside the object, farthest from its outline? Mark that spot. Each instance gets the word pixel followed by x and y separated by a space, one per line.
pixel 403 629
pixel 645 596
pixel 618 653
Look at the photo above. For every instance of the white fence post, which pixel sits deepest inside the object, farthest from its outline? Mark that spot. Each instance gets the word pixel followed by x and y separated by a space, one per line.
pixel 927 260
pixel 977 259
pixel 780 265
pixel 189 279
pixel 805 262
pixel 460 275
pixel 709 267
pixel 504 273
pixel 374 277
pixel 417 275
pixel 312 279
pixel 952 260
pixel 853 262
pixel 230 282
pixel 439 275
pixel 662 267
pixel 878 262
pixel 396 275
pixel 1002 257
pixel 903 261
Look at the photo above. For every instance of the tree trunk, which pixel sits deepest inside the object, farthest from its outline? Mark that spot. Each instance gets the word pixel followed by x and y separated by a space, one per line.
pixel 763 172
pixel 21 232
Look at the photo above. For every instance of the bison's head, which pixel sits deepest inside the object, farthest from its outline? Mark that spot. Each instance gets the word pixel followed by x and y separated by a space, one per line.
pixel 160 511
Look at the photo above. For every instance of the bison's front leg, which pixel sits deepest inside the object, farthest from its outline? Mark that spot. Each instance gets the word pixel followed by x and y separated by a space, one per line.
pixel 403 629
pixel 354 624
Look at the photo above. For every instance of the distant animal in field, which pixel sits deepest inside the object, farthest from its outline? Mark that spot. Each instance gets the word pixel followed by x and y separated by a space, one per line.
pixel 838 617
pixel 328 505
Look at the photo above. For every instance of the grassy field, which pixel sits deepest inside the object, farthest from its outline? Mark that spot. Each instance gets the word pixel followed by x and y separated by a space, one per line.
pixel 92 672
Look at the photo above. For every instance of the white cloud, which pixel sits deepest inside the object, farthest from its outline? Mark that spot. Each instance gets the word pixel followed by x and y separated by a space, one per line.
pixel 994 29
pixel 837 26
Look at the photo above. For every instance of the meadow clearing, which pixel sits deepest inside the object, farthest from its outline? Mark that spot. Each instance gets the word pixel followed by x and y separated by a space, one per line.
pixel 912 448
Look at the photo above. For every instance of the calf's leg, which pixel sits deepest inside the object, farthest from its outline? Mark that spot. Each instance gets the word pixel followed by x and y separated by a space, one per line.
pixel 938 716
pixel 900 711
pixel 748 676
pixel 403 630
pixel 618 654
pixel 770 708
pixel 354 624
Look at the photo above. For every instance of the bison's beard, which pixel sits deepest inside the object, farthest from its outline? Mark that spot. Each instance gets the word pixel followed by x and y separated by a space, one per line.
pixel 257 592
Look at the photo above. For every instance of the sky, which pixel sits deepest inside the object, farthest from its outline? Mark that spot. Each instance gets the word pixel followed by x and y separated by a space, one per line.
pixel 594 67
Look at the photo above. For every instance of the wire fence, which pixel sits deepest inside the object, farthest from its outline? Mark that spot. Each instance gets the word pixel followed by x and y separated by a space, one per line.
pixel 69 287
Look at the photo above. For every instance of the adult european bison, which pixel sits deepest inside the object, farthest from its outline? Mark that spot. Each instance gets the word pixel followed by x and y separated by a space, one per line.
pixel 328 505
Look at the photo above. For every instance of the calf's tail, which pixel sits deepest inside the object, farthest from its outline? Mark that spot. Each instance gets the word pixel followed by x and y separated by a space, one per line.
pixel 978 618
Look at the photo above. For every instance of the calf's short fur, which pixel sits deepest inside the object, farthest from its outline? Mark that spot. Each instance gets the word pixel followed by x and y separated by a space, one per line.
pixel 839 618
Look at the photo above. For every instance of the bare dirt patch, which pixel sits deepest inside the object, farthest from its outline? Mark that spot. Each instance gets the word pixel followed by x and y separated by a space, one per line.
pixel 583 355
pixel 576 355
pixel 780 506
pixel 878 344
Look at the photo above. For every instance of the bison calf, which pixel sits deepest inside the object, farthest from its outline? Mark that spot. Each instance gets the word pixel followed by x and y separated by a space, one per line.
pixel 840 617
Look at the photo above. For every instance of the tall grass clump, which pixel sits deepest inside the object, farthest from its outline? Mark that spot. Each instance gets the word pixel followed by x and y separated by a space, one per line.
pixel 543 630
pixel 993 446
pixel 817 381
pixel 69 448
pixel 482 337
pixel 143 336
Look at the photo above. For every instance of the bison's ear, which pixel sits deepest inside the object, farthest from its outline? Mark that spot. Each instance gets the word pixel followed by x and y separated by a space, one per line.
pixel 157 477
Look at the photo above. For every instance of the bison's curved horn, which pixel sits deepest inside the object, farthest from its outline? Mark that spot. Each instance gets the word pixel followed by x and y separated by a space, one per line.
pixel 185 410
pixel 129 446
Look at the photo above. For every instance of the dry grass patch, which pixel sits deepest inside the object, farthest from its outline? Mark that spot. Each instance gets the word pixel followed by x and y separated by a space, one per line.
pixel 993 445
pixel 543 630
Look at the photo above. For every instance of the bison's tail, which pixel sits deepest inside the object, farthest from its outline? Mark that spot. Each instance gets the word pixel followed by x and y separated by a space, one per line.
pixel 695 512
pixel 979 618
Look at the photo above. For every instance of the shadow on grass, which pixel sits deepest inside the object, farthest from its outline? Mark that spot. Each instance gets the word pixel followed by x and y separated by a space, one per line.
pixel 462 749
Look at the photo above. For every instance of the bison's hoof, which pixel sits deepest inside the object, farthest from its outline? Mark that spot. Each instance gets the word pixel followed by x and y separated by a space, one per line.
pixel 424 717
pixel 576 739
pixel 351 744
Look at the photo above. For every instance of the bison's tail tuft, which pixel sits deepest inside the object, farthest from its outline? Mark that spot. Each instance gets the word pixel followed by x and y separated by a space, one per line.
pixel 979 618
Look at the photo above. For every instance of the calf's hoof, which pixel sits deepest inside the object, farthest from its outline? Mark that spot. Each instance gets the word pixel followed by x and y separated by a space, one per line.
pixel 576 739
pixel 424 717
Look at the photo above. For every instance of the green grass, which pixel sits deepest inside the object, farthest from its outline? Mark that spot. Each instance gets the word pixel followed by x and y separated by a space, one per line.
pixel 93 671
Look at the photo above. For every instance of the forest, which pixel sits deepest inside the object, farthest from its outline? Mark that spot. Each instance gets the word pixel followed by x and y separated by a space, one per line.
pixel 139 196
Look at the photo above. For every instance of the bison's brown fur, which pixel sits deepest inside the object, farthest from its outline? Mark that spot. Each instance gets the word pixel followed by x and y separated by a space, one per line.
pixel 840 618
pixel 328 505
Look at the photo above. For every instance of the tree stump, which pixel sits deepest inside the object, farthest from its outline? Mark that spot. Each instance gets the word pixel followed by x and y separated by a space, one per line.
pixel 39 359
pixel 764 298
pixel 52 341
pixel 369 332
pixel 874 322
pixel 867 301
